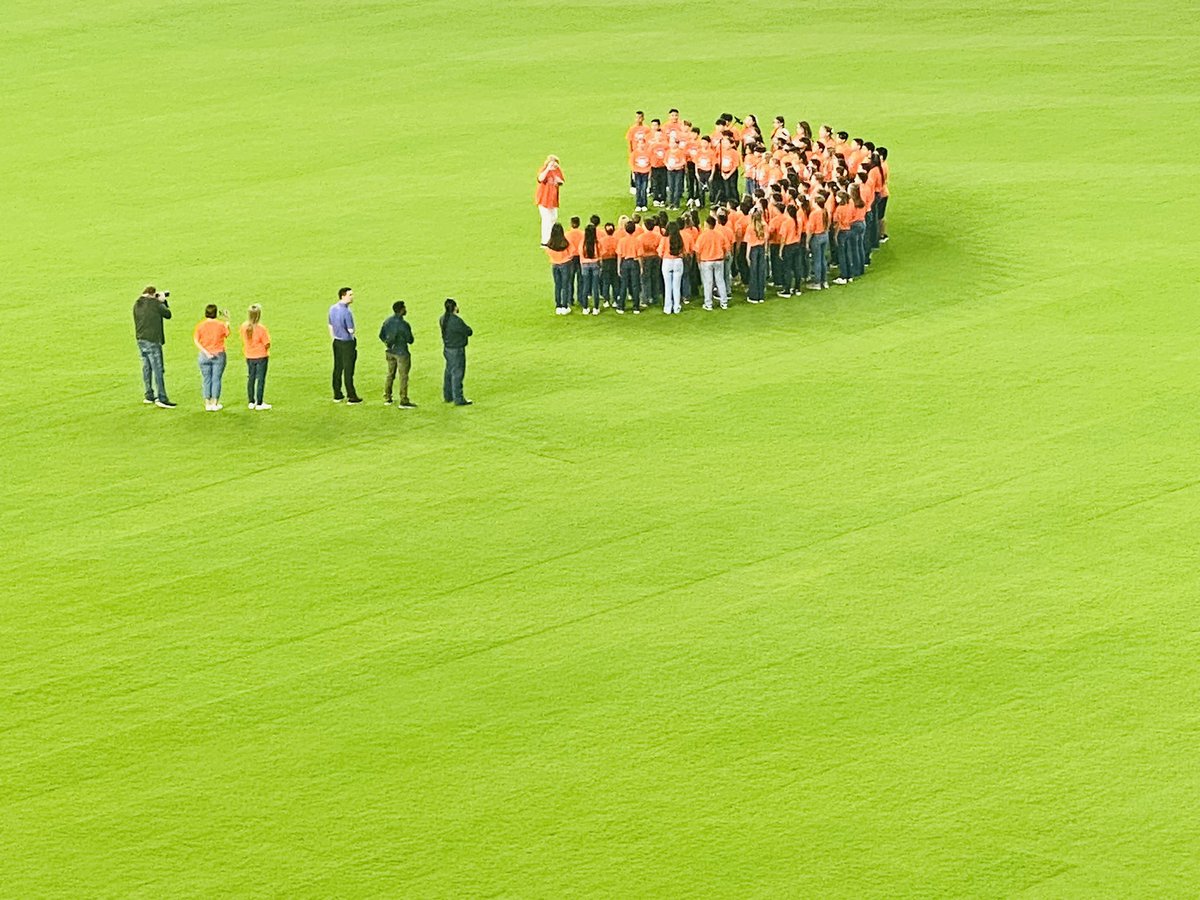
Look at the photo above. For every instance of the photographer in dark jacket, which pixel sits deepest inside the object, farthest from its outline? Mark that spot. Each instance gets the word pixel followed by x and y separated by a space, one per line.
pixel 149 310
pixel 396 335
pixel 455 333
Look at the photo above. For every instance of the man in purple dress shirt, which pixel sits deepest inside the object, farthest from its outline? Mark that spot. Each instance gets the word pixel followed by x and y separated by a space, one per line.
pixel 345 346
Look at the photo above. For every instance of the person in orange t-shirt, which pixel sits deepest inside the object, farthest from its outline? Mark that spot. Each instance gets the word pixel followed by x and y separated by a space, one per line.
pixel 816 226
pixel 671 250
pixel 676 167
pixel 640 160
pixel 549 178
pixel 659 145
pixel 609 276
pixel 789 255
pixel 256 347
pixel 775 243
pixel 558 248
pixel 843 220
pixel 574 237
pixel 648 241
pixel 729 236
pixel 691 145
pixel 756 257
pixel 706 164
pixel 882 153
pixel 639 129
pixel 209 338
pixel 628 250
pixel 710 248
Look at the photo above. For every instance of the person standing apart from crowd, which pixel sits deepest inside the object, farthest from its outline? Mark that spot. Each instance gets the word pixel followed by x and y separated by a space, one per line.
pixel 455 334
pixel 549 177
pixel 256 347
pixel 149 310
pixel 345 347
pixel 396 335
pixel 710 248
pixel 639 129
pixel 209 338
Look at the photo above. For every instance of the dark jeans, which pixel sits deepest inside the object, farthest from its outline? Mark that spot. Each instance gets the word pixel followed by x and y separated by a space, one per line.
pixel 641 182
pixel 790 257
pixel 693 186
pixel 456 371
pixel 610 278
pixel 776 265
pixel 563 274
pixel 576 282
pixel 658 183
pixel 844 255
pixel 152 370
pixel 397 365
pixel 631 283
pixel 704 180
pixel 819 246
pixel 731 185
pixel 256 379
pixel 345 355
pixel 674 187
pixel 858 251
pixel 589 285
pixel 757 287
pixel 652 283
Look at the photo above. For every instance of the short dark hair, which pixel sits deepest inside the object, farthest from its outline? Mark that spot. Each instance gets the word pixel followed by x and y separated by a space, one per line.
pixel 450 304
pixel 210 311
pixel 669 111
pixel 656 121
pixel 398 307
pixel 574 221
pixel 638 113
pixel 149 291
pixel 342 292
pixel 843 135
pixel 629 227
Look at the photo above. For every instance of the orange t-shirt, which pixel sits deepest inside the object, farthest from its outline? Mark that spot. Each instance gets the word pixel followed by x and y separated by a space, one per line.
pixel 689 236
pixel 727 234
pixel 640 158
pixel 710 246
pixel 558 257
pixel 729 161
pixel 658 151
pixel 256 343
pixel 738 220
pixel 860 215
pixel 676 130
pixel 547 190
pixel 649 243
pixel 693 148
pixel 634 132
pixel 664 248
pixel 607 245
pixel 676 159
pixel 817 223
pixel 787 231
pixel 883 188
pixel 867 192
pixel 843 216
pixel 753 240
pixel 628 247
pixel 705 159
pixel 210 334
pixel 575 241
pixel 774 228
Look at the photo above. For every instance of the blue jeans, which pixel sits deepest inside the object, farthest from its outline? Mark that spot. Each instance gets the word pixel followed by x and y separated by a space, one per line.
pixel 609 278
pixel 674 187
pixel 631 283
pixel 757 287
pixel 456 371
pixel 652 286
pixel 818 244
pixel 858 249
pixel 641 184
pixel 256 379
pixel 211 370
pixel 589 281
pixel 790 257
pixel 845 254
pixel 152 370
pixel 562 272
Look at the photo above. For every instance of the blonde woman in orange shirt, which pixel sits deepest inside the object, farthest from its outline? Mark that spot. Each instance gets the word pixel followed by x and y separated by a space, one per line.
pixel 256 347
pixel 209 338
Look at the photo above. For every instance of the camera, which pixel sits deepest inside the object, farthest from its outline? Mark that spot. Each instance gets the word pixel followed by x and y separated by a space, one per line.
pixel 163 295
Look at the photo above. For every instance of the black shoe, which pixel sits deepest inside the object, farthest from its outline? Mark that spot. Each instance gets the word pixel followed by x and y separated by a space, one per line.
pixel 164 404
pixel 406 404
pixel 354 400
pixel 464 403
pixel 387 401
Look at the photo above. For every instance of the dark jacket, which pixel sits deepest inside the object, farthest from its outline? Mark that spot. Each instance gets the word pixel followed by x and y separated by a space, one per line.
pixel 454 331
pixel 148 315
pixel 397 334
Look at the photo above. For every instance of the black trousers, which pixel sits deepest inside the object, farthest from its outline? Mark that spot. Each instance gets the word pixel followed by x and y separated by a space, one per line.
pixel 345 355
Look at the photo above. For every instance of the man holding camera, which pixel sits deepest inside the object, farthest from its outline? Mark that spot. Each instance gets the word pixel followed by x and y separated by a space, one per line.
pixel 149 310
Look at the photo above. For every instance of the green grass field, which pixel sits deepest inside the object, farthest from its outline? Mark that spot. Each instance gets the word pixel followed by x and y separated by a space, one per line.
pixel 885 591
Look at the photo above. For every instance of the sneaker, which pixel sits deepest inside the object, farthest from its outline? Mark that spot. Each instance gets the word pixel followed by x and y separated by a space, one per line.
pixel 387 401
pixel 464 403
pixel 596 311
pixel 707 308
pixel 164 404
pixel 406 404
pixel 338 399
pixel 217 407
pixel 249 406
pixel 785 293
pixel 620 312
pixel 607 304
pixel 149 401
pixel 839 281
pixel 724 306
pixel 816 287
pixel 263 406
pixel 354 400
pixel 636 311
pixel 884 239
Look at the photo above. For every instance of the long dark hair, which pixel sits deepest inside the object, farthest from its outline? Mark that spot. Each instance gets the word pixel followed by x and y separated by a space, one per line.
pixel 450 304
pixel 675 239
pixel 558 238
pixel 589 241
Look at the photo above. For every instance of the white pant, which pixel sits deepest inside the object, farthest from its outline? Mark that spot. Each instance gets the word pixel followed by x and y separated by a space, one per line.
pixel 672 270
pixel 549 217
pixel 710 272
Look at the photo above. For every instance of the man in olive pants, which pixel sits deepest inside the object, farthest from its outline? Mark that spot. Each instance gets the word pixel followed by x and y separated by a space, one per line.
pixel 455 333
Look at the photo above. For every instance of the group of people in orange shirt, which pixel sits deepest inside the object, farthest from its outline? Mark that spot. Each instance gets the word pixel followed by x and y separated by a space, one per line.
pixel 806 203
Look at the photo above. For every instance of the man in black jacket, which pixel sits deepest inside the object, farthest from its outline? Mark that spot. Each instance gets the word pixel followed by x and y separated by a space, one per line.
pixel 396 335
pixel 149 310
pixel 455 333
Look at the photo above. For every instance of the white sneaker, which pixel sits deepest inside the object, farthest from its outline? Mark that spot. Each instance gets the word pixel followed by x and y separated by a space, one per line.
pixel 207 406
pixel 839 281
pixel 620 312
pixel 249 406
pixel 263 406
pixel 217 407
pixel 596 311
pixel 707 308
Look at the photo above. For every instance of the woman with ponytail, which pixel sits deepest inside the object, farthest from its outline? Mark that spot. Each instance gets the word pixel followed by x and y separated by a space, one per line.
pixel 756 257
pixel 256 347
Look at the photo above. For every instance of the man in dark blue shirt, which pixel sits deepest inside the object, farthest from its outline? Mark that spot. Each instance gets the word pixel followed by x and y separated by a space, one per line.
pixel 455 333
pixel 396 335
pixel 345 346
